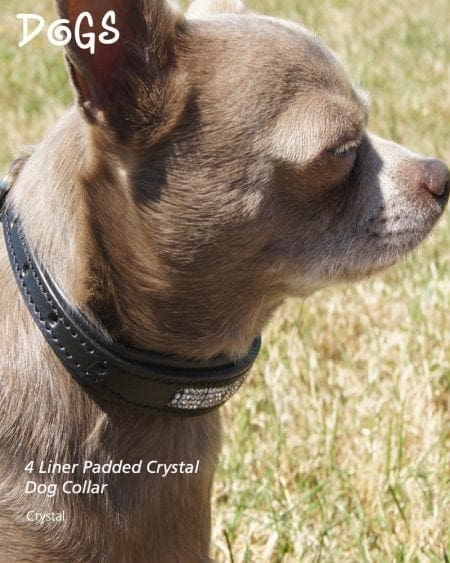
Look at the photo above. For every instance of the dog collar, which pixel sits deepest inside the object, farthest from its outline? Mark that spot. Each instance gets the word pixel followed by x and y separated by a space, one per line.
pixel 142 380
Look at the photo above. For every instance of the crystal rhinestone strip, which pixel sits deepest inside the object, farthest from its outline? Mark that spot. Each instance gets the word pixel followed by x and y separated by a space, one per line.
pixel 192 398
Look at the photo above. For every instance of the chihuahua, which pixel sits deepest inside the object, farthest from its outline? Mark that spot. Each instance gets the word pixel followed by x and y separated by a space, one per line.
pixel 215 163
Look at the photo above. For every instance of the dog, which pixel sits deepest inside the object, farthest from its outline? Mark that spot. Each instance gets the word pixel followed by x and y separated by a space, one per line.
pixel 216 162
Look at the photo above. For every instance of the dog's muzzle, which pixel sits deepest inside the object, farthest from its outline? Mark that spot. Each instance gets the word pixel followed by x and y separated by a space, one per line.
pixel 141 380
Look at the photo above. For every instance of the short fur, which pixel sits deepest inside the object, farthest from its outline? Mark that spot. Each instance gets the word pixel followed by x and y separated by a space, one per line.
pixel 213 166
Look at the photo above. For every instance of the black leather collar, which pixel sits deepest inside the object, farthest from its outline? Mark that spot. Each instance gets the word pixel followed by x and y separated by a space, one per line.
pixel 142 380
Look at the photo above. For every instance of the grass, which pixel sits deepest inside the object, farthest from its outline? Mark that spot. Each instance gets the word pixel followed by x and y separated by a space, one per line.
pixel 337 449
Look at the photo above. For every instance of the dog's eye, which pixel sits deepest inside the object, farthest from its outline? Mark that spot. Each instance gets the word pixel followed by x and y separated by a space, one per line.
pixel 345 150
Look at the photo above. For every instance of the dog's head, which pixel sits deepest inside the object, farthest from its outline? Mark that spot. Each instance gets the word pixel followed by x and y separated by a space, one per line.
pixel 242 147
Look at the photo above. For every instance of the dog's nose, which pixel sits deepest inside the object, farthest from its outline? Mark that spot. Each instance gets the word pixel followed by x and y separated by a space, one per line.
pixel 434 177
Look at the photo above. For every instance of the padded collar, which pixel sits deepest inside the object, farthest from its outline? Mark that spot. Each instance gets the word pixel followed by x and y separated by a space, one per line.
pixel 138 379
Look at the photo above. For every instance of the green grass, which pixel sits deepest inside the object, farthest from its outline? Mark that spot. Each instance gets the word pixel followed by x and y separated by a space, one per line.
pixel 337 449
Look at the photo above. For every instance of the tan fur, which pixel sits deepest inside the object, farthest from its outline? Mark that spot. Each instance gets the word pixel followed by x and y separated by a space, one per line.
pixel 204 8
pixel 178 213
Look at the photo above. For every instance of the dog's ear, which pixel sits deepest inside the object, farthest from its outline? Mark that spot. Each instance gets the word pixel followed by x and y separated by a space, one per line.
pixel 202 8
pixel 134 52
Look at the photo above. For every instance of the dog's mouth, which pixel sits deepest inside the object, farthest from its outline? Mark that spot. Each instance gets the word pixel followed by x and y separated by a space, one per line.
pixel 372 248
pixel 392 241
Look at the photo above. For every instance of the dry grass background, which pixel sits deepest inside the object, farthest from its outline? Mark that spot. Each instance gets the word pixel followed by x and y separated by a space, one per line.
pixel 337 449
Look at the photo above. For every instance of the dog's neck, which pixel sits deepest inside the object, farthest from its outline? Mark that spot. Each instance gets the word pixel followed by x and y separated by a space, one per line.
pixel 113 263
